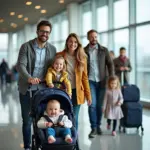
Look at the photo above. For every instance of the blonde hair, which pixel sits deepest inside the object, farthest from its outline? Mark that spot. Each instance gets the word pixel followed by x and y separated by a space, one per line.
pixel 79 52
pixel 59 57
pixel 113 78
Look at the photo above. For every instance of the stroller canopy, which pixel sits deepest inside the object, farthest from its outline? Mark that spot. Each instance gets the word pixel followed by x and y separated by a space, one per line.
pixel 44 95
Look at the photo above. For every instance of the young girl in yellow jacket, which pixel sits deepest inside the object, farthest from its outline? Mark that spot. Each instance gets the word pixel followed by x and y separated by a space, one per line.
pixel 57 73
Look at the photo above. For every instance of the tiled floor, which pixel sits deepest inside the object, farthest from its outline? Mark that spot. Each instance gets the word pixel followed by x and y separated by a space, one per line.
pixel 11 137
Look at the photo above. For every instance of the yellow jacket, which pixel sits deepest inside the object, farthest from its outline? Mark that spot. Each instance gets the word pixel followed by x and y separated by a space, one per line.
pixel 51 76
pixel 82 82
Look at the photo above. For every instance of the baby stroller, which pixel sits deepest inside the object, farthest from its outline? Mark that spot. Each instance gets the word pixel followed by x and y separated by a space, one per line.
pixel 39 138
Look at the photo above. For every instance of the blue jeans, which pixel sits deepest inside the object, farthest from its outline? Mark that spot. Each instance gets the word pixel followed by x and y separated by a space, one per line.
pixel 62 131
pixel 76 107
pixel 95 109
pixel 27 120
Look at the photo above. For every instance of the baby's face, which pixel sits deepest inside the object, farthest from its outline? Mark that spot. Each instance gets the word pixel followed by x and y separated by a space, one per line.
pixel 53 109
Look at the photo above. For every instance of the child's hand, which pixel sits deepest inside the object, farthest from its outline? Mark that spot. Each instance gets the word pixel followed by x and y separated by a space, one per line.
pixel 118 104
pixel 89 102
pixel 70 95
pixel 61 123
pixel 103 110
pixel 49 124
pixel 51 85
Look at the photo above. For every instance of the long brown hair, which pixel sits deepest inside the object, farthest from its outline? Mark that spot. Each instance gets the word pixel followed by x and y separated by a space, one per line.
pixel 79 52
pixel 113 78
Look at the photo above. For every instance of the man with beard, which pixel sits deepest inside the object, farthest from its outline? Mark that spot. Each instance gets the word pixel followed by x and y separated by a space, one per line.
pixel 35 56
pixel 98 62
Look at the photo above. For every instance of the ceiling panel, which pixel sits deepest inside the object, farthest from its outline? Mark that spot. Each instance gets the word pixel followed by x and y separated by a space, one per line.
pixel 18 6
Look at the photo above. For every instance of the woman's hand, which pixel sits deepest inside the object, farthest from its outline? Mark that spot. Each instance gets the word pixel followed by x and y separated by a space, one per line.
pixel 89 102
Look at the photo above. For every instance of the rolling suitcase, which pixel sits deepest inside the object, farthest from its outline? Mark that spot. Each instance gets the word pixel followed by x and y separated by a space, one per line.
pixel 132 108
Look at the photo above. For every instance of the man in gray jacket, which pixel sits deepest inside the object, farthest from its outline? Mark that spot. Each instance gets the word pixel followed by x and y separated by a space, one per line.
pixel 98 62
pixel 35 56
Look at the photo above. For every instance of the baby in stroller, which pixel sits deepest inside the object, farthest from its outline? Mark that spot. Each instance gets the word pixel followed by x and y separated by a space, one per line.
pixel 54 119
pixel 45 134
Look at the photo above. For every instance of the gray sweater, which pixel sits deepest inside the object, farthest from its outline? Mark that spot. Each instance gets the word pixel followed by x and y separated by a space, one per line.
pixel 26 62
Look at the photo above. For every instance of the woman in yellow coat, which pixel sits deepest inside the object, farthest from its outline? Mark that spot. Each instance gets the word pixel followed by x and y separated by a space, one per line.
pixel 76 66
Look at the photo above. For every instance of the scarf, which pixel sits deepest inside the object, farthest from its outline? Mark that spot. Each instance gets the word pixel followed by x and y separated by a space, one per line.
pixel 123 58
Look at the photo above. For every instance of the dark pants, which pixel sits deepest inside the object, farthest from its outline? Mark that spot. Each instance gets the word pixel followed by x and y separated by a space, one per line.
pixel 27 120
pixel 114 124
pixel 76 107
pixel 95 109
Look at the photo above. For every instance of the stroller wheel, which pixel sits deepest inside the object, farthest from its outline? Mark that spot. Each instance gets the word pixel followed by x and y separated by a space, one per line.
pixel 34 147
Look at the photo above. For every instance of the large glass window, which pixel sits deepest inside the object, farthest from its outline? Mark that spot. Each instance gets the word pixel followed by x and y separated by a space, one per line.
pixel 64 29
pixel 87 22
pixel 56 32
pixel 142 10
pixel 104 39
pixel 102 18
pixel 121 39
pixel 121 13
pixel 143 63
pixel 3 45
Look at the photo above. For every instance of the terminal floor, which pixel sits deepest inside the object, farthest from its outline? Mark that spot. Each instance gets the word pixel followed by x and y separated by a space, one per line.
pixel 11 135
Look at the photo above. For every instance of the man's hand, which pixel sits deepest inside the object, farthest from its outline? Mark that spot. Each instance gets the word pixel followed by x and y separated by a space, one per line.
pixel 34 80
pixel 126 68
pixel 122 68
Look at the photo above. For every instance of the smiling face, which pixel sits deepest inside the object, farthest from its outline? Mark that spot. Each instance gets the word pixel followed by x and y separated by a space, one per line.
pixel 58 64
pixel 53 108
pixel 93 38
pixel 72 44
pixel 43 33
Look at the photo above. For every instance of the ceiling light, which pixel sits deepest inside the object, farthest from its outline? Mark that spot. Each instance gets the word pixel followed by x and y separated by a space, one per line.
pixel 43 11
pixel 61 1
pixel 20 16
pixel 12 13
pixel 28 3
pixel 14 25
pixel 26 19
pixel 1 20
pixel 37 7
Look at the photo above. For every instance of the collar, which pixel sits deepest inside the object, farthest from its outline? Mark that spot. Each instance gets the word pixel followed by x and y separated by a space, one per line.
pixel 37 46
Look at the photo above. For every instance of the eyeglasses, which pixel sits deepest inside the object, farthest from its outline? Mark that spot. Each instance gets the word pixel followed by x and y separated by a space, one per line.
pixel 42 32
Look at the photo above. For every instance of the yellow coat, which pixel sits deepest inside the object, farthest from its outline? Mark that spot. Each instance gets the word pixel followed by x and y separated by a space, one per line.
pixel 82 82
pixel 51 76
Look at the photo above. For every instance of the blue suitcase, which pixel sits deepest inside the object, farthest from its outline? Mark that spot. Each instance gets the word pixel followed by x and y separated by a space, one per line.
pixel 132 116
pixel 131 93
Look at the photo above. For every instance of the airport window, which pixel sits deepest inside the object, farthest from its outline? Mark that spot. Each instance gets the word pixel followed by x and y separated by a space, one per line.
pixel 103 39
pixel 56 34
pixel 121 39
pixel 84 41
pixel 142 10
pixel 121 13
pixel 64 29
pixel 143 64
pixel 14 40
pixel 102 18
pixel 87 22
pixel 3 42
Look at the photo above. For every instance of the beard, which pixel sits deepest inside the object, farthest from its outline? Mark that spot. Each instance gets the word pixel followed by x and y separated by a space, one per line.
pixel 94 42
pixel 42 38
